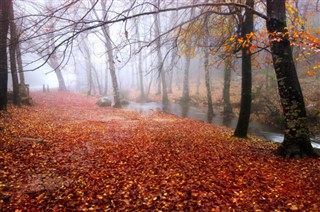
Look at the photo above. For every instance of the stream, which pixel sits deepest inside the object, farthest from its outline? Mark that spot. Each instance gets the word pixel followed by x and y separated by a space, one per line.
pixel 259 129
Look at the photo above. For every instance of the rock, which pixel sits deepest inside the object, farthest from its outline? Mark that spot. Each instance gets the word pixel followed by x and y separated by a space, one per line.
pixel 313 112
pixel 124 102
pixel 26 100
pixel 104 101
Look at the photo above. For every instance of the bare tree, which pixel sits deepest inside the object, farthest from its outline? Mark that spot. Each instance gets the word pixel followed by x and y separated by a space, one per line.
pixel 140 70
pixel 207 67
pixel 157 29
pixel 227 108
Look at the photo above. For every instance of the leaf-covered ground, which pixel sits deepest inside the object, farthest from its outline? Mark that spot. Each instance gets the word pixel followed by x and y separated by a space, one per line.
pixel 65 153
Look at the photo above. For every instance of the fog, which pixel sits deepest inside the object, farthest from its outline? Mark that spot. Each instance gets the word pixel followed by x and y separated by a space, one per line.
pixel 133 52
pixel 87 52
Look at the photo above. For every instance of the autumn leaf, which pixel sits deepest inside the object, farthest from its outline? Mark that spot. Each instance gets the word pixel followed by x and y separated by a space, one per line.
pixel 65 152
pixel 311 73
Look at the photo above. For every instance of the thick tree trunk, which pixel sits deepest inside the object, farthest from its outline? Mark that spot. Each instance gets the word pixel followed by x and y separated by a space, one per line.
pixel 227 108
pixel 296 141
pixel 12 52
pixel 4 25
pixel 246 84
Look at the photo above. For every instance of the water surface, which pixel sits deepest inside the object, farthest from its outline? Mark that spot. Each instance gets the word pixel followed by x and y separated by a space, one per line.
pixel 265 131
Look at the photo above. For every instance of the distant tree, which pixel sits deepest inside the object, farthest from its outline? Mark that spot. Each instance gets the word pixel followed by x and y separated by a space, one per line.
pixel 19 63
pixel 207 66
pixel 41 35
pixel 87 55
pixel 109 49
pixel 228 63
pixel 157 30
pixel 54 57
pixel 140 63
pixel 186 88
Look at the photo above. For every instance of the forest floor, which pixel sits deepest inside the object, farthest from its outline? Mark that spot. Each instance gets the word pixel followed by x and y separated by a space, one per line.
pixel 65 153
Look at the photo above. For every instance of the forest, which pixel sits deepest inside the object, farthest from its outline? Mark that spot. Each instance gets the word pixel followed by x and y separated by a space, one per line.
pixel 159 105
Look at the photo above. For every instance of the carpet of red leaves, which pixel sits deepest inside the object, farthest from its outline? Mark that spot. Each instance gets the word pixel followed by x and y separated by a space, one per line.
pixel 66 153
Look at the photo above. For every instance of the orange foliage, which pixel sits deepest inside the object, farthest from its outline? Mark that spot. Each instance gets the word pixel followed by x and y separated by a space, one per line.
pixel 66 153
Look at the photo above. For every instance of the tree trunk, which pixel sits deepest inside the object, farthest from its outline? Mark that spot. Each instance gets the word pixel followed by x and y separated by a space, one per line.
pixel 19 60
pixel 19 63
pixel 4 25
pixel 142 95
pixel 165 99
pixel 198 84
pixel 296 141
pixel 207 70
pixel 140 71
pixel 62 85
pixel 158 84
pixel 88 67
pixel 95 72
pixel 12 52
pixel 246 84
pixel 105 92
pixel 112 68
pixel 53 60
pixel 171 73
pixel 55 64
pixel 185 92
pixel 227 108
pixel 89 78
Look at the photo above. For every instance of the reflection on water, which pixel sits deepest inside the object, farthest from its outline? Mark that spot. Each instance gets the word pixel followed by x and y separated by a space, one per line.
pixel 256 128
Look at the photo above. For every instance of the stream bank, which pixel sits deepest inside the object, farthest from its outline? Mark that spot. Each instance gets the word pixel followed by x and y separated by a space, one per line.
pixel 256 128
